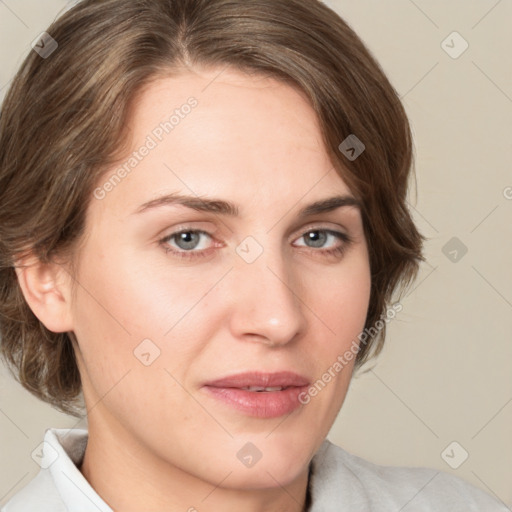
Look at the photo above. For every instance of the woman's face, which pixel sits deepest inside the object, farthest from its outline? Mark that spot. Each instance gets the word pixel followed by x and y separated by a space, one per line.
pixel 158 316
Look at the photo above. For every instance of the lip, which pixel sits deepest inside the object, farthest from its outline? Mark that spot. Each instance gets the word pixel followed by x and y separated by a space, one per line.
pixel 255 378
pixel 259 404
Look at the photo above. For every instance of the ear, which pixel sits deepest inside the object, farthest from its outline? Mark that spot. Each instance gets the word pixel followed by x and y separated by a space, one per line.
pixel 47 290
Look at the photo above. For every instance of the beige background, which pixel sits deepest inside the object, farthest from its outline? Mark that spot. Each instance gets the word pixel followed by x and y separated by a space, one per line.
pixel 445 374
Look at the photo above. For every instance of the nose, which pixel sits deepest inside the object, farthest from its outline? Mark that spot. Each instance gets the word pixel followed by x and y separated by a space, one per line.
pixel 267 306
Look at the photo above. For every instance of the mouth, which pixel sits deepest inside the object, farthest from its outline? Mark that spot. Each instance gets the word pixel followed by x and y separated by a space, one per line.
pixel 257 394
pixel 258 379
pixel 268 389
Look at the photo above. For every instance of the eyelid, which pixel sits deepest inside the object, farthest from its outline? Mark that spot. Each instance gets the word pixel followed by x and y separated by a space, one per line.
pixel 200 227
pixel 344 238
pixel 321 225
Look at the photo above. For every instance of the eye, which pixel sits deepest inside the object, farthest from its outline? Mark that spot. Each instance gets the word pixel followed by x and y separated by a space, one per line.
pixel 319 236
pixel 186 243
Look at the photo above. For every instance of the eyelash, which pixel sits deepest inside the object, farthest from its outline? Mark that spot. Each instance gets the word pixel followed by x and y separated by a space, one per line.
pixel 194 254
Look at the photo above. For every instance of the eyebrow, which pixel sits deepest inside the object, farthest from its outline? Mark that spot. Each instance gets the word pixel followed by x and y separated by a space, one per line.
pixel 222 207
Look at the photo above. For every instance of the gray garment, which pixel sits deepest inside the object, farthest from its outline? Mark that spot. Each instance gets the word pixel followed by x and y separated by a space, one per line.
pixel 339 482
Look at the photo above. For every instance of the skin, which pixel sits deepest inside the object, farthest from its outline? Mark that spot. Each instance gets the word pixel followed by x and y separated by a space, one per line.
pixel 157 441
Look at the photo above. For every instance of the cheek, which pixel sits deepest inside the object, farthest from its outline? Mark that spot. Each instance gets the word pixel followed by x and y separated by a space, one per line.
pixel 128 314
pixel 345 297
pixel 341 304
pixel 115 310
pixel 127 296
pixel 127 357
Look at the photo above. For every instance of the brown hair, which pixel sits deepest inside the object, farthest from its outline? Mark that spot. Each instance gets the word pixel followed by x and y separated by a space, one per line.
pixel 63 120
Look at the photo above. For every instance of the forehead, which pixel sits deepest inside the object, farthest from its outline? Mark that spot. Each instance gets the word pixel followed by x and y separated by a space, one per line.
pixel 248 137
pixel 232 109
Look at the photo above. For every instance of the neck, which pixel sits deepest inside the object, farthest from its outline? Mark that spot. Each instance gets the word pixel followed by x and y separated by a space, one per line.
pixel 130 477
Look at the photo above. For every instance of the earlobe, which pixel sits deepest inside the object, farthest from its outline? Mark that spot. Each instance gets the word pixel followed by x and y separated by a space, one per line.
pixel 46 288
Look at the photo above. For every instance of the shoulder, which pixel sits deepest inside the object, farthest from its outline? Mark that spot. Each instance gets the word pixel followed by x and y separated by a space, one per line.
pixel 58 481
pixel 341 477
pixel 40 494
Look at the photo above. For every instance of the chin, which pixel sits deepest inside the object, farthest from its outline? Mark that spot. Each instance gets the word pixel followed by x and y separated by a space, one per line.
pixel 272 474
pixel 265 464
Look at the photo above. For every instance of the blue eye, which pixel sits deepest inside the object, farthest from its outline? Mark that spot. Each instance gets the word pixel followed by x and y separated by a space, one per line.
pixel 338 250
pixel 320 240
pixel 187 241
